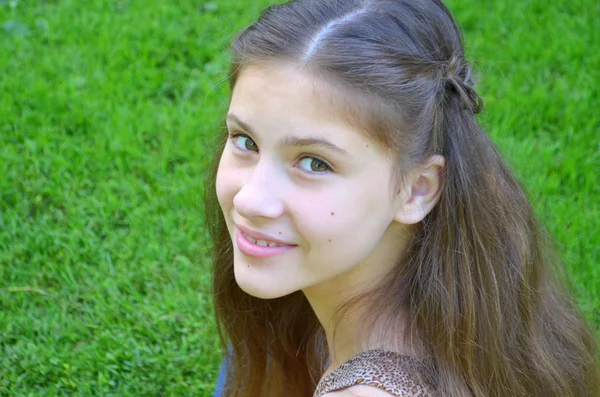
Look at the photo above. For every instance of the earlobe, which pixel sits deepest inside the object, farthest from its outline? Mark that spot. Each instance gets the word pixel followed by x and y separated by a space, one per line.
pixel 422 191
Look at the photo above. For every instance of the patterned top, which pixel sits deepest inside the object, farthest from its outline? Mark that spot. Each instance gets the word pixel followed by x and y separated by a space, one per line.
pixel 395 373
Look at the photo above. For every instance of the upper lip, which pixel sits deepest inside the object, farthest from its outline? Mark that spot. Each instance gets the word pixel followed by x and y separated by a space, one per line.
pixel 261 236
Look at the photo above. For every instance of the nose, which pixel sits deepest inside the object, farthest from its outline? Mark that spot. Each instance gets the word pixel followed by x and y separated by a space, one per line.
pixel 258 196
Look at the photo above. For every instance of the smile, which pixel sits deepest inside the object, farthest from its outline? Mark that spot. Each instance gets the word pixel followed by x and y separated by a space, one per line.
pixel 259 248
pixel 263 243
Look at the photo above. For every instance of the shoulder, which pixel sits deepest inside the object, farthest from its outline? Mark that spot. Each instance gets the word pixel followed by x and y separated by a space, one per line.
pixel 359 391
pixel 377 373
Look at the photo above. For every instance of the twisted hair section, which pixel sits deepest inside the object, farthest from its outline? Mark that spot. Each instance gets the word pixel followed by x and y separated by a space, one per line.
pixel 457 78
pixel 485 290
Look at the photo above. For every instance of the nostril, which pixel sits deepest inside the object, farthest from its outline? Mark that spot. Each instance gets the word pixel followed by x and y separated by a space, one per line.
pixel 250 204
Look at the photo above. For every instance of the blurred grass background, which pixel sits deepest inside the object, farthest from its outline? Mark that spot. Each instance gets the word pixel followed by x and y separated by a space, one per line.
pixel 107 113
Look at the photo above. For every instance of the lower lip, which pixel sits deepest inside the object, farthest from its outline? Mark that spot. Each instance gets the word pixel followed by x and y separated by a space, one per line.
pixel 258 251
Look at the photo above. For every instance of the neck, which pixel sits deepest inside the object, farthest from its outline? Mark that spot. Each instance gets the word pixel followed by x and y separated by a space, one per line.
pixel 356 329
pixel 343 337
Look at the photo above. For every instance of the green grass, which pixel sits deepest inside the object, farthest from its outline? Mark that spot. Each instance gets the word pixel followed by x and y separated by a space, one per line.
pixel 107 110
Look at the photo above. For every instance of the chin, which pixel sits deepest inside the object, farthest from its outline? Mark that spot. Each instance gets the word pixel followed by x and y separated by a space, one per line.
pixel 261 292
pixel 262 285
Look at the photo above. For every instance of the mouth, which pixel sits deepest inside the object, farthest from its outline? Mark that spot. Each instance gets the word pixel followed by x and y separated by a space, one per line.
pixel 263 243
pixel 259 248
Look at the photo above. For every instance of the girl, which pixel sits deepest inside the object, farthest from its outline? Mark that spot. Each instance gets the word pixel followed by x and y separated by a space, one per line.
pixel 368 239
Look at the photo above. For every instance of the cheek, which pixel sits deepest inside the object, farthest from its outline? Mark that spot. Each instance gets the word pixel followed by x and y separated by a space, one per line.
pixel 347 224
pixel 334 216
pixel 225 185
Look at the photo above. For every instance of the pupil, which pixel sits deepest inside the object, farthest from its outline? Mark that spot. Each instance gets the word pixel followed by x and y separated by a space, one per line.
pixel 249 144
pixel 317 165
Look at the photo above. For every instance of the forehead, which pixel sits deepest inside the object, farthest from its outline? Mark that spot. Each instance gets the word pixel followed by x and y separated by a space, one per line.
pixel 284 97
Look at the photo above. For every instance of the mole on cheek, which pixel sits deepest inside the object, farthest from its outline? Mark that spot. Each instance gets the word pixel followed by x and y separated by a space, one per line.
pixel 333 213
pixel 329 240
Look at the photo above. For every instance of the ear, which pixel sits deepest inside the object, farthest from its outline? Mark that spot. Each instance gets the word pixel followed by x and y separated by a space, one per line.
pixel 422 191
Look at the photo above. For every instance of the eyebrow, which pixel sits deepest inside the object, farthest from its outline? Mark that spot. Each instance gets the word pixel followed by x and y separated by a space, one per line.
pixel 293 140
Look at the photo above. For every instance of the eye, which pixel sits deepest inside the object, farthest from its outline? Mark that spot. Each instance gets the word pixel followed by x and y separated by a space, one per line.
pixel 314 165
pixel 243 142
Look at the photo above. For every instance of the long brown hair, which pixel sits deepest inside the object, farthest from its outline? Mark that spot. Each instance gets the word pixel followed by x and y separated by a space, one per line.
pixel 486 292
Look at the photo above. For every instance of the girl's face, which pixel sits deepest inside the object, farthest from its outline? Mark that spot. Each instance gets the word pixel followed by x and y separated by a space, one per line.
pixel 294 173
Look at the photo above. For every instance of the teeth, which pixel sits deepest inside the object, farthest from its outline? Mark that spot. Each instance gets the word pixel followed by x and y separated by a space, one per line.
pixel 262 243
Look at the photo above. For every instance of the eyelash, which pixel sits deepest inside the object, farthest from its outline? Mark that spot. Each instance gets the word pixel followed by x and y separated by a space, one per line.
pixel 234 135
